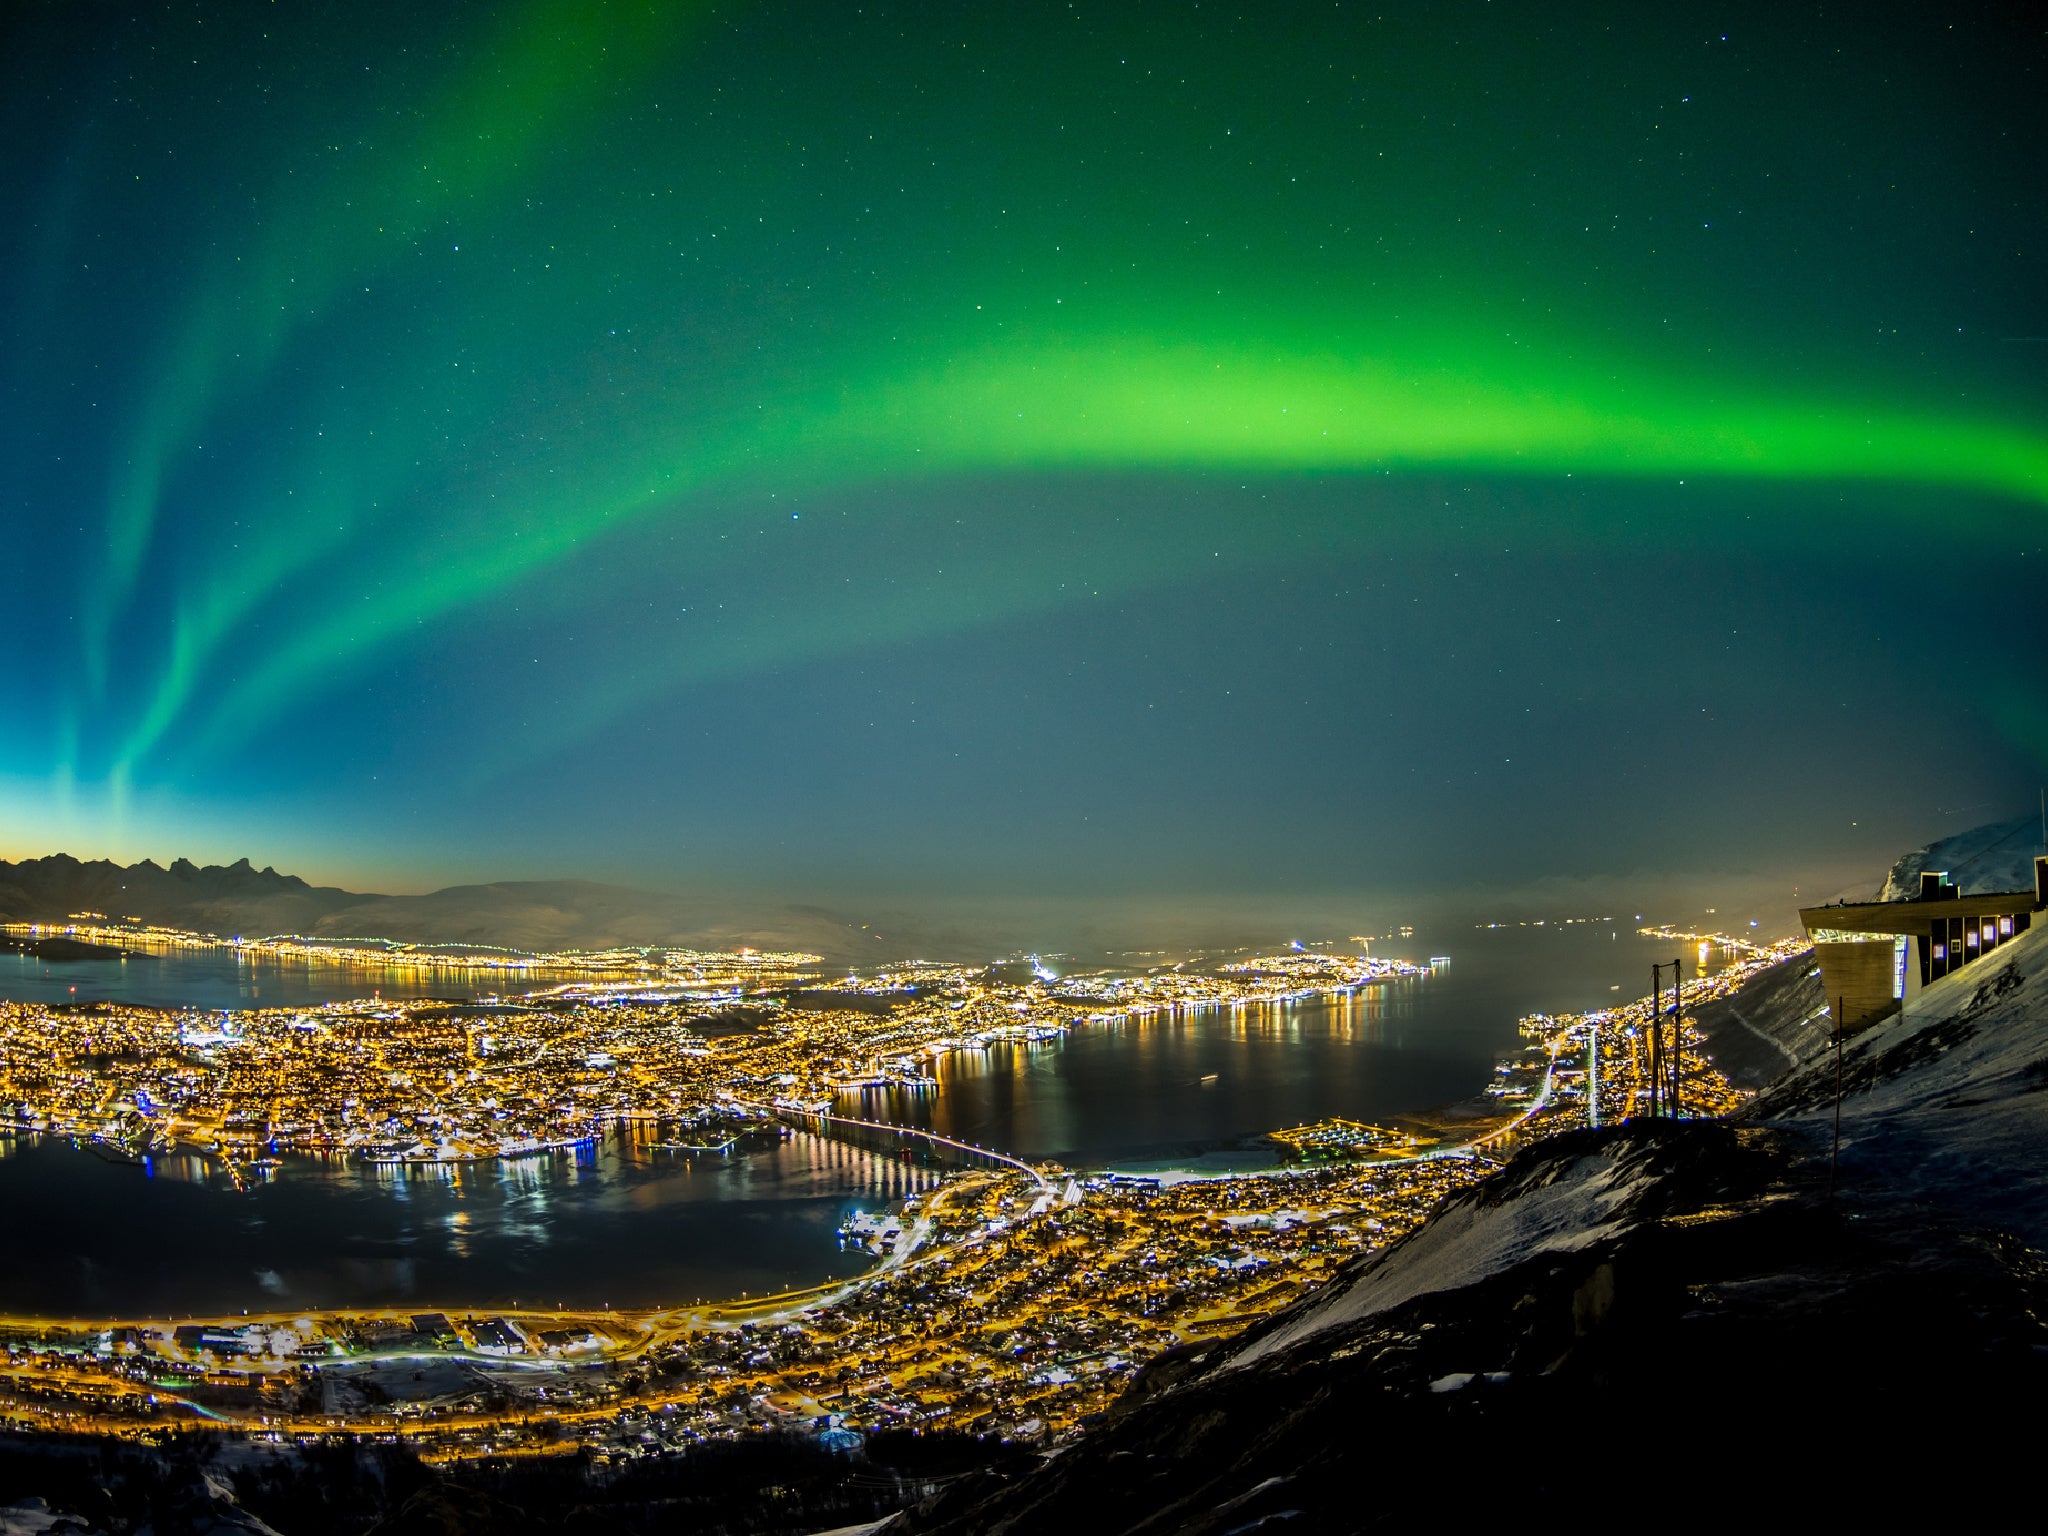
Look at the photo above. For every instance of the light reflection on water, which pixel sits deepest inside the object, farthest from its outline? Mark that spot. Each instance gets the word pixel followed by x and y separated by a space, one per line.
pixel 624 1224
pixel 232 978
pixel 1183 1085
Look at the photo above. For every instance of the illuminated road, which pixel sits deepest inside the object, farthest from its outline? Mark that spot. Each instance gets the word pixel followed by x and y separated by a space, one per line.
pixel 1536 1106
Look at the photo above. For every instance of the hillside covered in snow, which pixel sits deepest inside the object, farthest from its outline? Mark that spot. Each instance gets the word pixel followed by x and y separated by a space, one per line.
pixel 1689 1324
pixel 1996 857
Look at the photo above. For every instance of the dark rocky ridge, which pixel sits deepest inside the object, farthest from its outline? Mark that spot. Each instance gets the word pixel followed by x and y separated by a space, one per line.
pixel 182 895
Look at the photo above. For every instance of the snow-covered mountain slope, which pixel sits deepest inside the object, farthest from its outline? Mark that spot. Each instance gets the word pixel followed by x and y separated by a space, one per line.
pixel 1946 1106
pixel 1773 1024
pixel 1679 1322
pixel 1550 1207
pixel 1946 1109
pixel 1996 857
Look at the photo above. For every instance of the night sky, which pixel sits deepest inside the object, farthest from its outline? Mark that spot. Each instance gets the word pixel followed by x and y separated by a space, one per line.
pixel 1096 453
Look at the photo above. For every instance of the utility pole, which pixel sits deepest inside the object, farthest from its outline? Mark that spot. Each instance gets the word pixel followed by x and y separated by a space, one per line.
pixel 1656 1033
pixel 1667 1063
pixel 1593 1075
pixel 1677 1037
pixel 1835 1151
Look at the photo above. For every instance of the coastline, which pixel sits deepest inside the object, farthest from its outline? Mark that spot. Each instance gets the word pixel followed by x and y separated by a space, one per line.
pixel 1476 1126
pixel 1231 1245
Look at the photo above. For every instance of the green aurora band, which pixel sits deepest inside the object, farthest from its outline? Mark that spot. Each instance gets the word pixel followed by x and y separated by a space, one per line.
pixel 960 367
pixel 550 66
pixel 1122 406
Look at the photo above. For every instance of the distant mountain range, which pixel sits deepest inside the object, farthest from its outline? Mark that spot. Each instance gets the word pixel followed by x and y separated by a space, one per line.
pixel 239 899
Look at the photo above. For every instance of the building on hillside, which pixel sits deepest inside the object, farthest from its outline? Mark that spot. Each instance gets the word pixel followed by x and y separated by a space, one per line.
pixel 1874 955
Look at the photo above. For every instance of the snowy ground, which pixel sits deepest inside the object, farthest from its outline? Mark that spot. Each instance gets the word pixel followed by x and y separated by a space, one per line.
pixel 1944 1109
pixel 1473 1240
pixel 1998 857
pixel 1946 1106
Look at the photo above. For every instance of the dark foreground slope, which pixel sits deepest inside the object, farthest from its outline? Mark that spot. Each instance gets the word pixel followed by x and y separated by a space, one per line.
pixel 196 1484
pixel 1671 1324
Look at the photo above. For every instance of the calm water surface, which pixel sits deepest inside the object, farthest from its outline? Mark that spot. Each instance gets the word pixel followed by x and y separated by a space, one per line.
pixel 623 1224
pixel 228 978
pixel 634 1227
pixel 1175 1087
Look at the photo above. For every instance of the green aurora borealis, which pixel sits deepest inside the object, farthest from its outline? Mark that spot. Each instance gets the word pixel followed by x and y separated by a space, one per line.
pixel 422 417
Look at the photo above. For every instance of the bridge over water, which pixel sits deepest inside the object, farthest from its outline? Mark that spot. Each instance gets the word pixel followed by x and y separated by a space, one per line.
pixel 810 1115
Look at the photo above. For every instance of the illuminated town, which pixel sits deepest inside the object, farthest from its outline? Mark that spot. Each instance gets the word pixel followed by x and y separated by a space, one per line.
pixel 509 1077
pixel 1013 1299
pixel 96 932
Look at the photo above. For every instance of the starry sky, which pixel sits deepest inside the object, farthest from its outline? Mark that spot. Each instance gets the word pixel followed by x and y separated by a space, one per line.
pixel 1107 453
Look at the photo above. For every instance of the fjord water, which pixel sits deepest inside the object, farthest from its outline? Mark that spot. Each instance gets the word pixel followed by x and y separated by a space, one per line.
pixel 622 1224
pixel 227 978
pixel 1174 1090
pixel 630 1226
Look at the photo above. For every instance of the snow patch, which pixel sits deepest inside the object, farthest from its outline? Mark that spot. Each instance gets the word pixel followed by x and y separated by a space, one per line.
pixel 1471 1241
pixel 34 1517
pixel 1948 1102
pixel 1995 857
